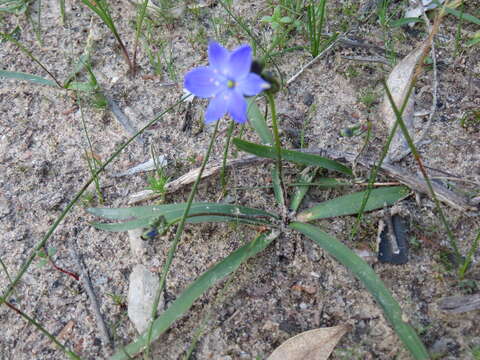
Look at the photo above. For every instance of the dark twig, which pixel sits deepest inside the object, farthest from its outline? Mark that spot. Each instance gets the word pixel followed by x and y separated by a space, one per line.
pixel 56 267
pixel 123 119
pixel 87 284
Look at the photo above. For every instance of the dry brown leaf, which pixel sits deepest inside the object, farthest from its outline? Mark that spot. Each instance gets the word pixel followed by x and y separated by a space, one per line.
pixel 315 344
pixel 398 82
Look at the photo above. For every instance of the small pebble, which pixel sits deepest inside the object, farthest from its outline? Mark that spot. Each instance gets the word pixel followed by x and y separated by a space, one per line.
pixel 308 98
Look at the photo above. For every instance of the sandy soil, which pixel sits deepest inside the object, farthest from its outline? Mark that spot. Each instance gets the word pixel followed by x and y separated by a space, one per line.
pixel 43 165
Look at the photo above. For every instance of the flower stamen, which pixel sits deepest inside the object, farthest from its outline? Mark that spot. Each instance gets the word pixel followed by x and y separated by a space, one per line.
pixel 231 84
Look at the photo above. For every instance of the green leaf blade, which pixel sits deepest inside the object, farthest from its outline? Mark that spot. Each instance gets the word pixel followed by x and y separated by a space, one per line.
pixel 16 75
pixel 306 177
pixel 351 204
pixel 297 157
pixel 171 211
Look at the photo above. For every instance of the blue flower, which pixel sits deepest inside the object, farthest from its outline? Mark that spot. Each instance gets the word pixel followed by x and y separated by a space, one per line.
pixel 226 81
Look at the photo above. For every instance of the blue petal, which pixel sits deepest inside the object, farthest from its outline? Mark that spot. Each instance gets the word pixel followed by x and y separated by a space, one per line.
pixel 237 106
pixel 252 85
pixel 203 82
pixel 218 56
pixel 218 107
pixel 240 62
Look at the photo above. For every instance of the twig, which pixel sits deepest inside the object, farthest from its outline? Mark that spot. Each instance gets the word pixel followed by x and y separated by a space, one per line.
pixel 87 284
pixel 360 44
pixel 412 181
pixel 188 178
pixel 69 273
pixel 378 59
pixel 460 304
pixel 123 119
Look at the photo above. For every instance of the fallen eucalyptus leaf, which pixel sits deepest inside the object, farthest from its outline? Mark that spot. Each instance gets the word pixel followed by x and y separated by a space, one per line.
pixel 399 82
pixel 315 344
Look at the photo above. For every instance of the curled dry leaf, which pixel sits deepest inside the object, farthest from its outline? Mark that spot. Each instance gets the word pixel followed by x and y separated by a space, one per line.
pixel 399 82
pixel 315 344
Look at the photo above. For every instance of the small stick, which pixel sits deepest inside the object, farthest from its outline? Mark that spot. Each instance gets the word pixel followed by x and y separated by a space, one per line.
pixel 87 284
pixel 378 59
pixel 69 273
pixel 360 44
pixel 123 119
pixel 188 178
pixel 414 182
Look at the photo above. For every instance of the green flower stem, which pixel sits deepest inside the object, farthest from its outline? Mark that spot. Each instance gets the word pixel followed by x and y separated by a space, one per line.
pixel 176 240
pixel 278 145
pixel 416 155
pixel 66 350
pixel 373 174
pixel 225 154
pixel 41 244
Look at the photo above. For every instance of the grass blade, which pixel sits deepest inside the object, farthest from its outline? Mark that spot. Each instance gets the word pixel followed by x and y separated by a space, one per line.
pixel 100 7
pixel 16 7
pixel 371 281
pixel 9 37
pixel 292 156
pixel 352 203
pixel 462 15
pixel 195 290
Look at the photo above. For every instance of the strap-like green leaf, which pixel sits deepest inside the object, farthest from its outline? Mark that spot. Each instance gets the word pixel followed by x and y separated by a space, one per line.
pixel 306 177
pixel 173 211
pixel 144 222
pixel 195 290
pixel 291 155
pixel 371 281
pixel 26 77
pixel 351 204
pixel 277 187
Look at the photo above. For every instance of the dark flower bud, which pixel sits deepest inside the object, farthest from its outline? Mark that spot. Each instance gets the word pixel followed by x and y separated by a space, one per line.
pixel 257 67
pixel 272 80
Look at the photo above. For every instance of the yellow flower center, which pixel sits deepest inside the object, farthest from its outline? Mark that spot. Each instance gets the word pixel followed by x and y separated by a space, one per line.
pixel 231 84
